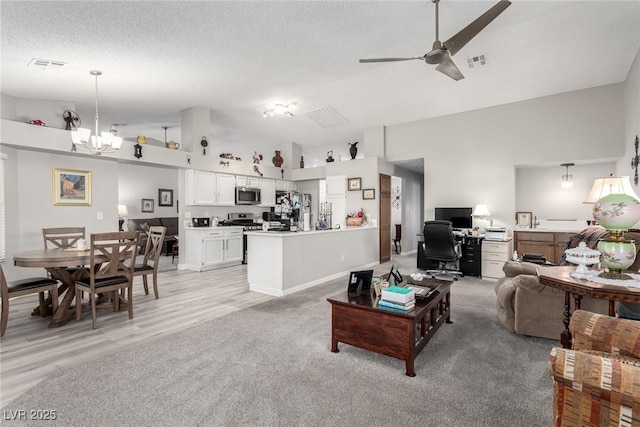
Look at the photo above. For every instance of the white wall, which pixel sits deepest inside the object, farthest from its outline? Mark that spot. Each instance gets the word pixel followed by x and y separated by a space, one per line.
pixel 470 157
pixel 631 119
pixel 30 200
pixel 538 191
pixel 136 182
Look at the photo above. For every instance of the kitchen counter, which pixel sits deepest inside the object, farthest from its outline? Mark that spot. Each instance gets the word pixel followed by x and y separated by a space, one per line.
pixel 280 263
pixel 549 230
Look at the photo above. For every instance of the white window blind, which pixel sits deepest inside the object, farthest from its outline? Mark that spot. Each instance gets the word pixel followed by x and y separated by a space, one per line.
pixel 3 233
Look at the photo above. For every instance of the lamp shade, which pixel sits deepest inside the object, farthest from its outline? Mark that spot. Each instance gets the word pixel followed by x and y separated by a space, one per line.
pixel 122 210
pixel 610 185
pixel 481 211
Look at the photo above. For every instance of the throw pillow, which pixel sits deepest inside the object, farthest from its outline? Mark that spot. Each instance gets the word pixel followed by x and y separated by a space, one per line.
pixel 144 227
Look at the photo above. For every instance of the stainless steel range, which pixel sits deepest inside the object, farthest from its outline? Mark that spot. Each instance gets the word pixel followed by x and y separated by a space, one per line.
pixel 246 221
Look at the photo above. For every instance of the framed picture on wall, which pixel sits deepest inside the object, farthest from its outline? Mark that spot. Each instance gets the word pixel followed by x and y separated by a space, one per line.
pixel 165 197
pixel 355 184
pixel 71 187
pixel 523 219
pixel 147 205
pixel 369 194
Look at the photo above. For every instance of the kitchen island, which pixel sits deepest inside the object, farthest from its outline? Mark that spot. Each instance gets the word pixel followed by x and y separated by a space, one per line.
pixel 280 263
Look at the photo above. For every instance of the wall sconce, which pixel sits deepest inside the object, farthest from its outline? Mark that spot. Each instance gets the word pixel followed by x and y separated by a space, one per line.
pixel 281 109
pixel 482 211
pixel 567 180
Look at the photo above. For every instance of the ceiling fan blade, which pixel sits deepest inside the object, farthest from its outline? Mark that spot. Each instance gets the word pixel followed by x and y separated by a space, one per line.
pixel 362 61
pixel 449 68
pixel 457 42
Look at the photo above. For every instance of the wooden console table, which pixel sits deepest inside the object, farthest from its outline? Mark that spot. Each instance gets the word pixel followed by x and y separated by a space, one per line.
pixel 559 277
pixel 358 321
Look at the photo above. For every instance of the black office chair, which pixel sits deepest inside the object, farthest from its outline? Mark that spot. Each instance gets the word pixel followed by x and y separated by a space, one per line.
pixel 440 246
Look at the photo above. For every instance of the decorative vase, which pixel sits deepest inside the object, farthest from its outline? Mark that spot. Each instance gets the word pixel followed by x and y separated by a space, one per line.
pixel 277 159
pixel 301 162
pixel 353 150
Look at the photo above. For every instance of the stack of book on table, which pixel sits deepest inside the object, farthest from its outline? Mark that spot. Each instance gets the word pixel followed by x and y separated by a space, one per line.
pixel 398 298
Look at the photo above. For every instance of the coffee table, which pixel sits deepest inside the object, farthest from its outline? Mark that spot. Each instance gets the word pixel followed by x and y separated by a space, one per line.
pixel 357 320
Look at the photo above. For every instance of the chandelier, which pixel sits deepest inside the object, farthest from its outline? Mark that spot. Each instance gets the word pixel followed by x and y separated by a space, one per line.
pixel 281 109
pixel 107 142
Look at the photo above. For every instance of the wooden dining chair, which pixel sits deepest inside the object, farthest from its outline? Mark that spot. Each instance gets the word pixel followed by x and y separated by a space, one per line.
pixel 62 237
pixel 151 258
pixel 112 260
pixel 17 288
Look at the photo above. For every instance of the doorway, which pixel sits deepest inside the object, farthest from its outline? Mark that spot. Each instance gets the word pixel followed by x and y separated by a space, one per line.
pixel 385 218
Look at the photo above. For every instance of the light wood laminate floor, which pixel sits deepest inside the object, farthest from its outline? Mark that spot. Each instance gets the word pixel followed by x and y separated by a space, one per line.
pixel 30 351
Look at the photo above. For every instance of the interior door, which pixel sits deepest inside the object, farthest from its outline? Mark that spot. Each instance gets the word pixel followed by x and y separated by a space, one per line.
pixel 385 218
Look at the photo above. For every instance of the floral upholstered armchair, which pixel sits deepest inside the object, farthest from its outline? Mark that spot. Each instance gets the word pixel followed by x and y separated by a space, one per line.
pixel 597 383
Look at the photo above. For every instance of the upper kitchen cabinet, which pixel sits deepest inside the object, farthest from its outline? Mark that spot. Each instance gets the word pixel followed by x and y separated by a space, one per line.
pixel 286 186
pixel 267 192
pixel 226 190
pixel 209 189
pixel 201 187
pixel 248 181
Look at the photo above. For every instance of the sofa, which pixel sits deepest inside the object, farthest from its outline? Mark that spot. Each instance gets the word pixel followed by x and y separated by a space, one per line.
pixel 597 382
pixel 143 224
pixel 527 307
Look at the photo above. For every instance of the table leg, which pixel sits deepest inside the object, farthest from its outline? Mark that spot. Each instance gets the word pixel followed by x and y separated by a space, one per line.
pixel 565 338
pixel 448 305
pixel 64 313
pixel 409 367
pixel 612 308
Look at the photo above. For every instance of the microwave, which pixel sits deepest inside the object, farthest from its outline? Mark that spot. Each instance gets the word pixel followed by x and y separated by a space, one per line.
pixel 247 196
pixel 201 222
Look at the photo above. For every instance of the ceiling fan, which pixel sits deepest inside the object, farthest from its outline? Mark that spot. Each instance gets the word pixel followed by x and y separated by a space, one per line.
pixel 441 51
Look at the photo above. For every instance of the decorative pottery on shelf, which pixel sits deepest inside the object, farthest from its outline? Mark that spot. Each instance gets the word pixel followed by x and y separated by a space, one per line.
pixel 173 145
pixel 301 162
pixel 277 159
pixel 353 149
pixel 141 139
pixel 582 256
pixel 617 212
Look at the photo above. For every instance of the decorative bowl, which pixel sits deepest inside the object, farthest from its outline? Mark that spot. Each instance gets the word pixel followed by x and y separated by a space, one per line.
pixel 582 256
pixel 354 221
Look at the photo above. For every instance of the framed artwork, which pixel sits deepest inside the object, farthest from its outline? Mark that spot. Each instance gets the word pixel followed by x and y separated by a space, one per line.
pixel 165 197
pixel 369 194
pixel 523 219
pixel 71 187
pixel 147 205
pixel 355 184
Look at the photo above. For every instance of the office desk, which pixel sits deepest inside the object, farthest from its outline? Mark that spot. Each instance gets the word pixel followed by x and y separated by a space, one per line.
pixel 470 262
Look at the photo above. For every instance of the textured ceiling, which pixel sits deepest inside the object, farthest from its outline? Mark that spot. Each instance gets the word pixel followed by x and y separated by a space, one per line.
pixel 240 58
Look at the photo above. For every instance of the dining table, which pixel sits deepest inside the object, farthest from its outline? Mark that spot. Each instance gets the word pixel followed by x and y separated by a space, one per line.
pixel 58 263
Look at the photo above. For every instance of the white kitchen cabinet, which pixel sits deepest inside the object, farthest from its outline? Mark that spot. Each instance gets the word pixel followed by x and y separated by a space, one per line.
pixel 337 197
pixel 267 192
pixel 247 182
pixel 225 190
pixel 210 189
pixel 201 187
pixel 215 247
pixel 286 185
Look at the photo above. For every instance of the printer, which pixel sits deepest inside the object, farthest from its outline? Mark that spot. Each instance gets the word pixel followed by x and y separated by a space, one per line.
pixel 499 234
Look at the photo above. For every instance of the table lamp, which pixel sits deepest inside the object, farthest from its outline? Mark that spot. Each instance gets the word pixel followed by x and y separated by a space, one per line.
pixel 122 212
pixel 617 211
pixel 482 211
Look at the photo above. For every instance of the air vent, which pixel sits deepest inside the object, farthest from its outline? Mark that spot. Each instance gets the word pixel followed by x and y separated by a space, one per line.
pixel 46 63
pixel 327 117
pixel 477 61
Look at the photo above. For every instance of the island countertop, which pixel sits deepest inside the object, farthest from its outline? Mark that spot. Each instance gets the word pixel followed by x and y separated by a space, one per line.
pixel 283 262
